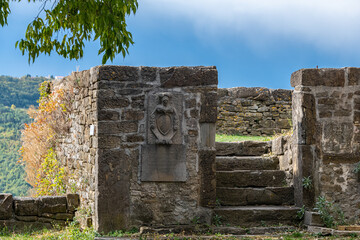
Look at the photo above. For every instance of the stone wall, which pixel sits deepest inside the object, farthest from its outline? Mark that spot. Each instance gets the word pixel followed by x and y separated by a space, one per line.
pixel 78 149
pixel 326 116
pixel 141 147
pixel 253 111
pixel 282 147
pixel 36 213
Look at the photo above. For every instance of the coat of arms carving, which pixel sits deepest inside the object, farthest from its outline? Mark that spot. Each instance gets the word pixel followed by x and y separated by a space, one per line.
pixel 164 120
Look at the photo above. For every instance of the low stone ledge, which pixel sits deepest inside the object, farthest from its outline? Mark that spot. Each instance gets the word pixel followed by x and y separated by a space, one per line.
pixel 22 213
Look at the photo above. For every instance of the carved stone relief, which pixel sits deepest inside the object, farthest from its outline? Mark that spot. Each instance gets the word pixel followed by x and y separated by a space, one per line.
pixel 163 158
pixel 164 115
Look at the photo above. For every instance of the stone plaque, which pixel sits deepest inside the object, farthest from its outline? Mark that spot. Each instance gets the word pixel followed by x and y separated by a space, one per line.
pixel 164 118
pixel 163 158
pixel 163 163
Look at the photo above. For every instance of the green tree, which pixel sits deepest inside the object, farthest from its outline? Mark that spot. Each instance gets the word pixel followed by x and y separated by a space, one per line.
pixel 64 25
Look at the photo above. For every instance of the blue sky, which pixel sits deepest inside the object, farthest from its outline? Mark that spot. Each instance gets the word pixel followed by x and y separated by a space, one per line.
pixel 251 42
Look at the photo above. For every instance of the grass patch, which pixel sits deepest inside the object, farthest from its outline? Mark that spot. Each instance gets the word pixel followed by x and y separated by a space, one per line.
pixel 238 138
pixel 73 232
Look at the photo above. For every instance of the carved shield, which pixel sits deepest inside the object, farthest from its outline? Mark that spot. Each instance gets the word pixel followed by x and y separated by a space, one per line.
pixel 163 123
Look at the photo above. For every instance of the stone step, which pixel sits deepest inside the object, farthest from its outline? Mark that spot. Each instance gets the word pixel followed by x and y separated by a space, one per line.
pixel 246 163
pixel 255 196
pixel 253 216
pixel 254 230
pixel 250 178
pixel 245 148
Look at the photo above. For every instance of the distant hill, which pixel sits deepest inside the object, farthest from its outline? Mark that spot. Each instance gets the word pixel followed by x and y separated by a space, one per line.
pixel 22 92
pixel 16 95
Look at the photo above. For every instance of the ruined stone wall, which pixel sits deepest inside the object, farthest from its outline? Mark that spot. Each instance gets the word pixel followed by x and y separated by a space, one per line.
pixel 141 147
pixel 326 115
pixel 24 213
pixel 253 111
pixel 78 149
pixel 145 178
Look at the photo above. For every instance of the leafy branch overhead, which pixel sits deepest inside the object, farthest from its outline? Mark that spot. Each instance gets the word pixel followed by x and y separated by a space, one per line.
pixel 64 25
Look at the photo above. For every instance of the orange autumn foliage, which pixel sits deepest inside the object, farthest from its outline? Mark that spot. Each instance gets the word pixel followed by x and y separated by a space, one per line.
pixel 51 121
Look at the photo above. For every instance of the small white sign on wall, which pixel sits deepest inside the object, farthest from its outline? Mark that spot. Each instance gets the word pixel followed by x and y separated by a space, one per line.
pixel 92 128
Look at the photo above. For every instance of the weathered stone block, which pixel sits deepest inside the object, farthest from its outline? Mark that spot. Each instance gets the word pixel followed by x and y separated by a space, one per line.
pixel 163 163
pixel 222 92
pixel 109 141
pixel 188 76
pixel 313 219
pixel 250 178
pixel 248 148
pixel 342 113
pixel 73 201
pixel 134 115
pixel 138 102
pixel 353 76
pixel 118 73
pixel 110 103
pixel 117 127
pixel 56 204
pixel 64 216
pixel 256 196
pixel 148 74
pixel 325 114
pixel 113 189
pixel 308 121
pixel 283 123
pixel 248 216
pixel 135 138
pixel 26 206
pixel 318 77
pixel 128 91
pixel 227 163
pixel 108 86
pixel 208 113
pixel 108 115
pixel 281 95
pixel 207 135
pixel 6 203
pixel 277 147
pixel 343 158
pixel 328 101
pixel 255 93
pixel 208 177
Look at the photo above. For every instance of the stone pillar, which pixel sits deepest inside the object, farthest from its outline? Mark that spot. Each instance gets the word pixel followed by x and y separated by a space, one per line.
pixel 326 130
pixel 156 135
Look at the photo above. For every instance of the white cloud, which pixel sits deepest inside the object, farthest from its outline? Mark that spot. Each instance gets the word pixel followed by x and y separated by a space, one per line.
pixel 326 24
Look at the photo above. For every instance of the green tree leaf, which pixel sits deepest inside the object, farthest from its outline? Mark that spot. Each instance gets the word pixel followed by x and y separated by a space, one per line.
pixel 64 25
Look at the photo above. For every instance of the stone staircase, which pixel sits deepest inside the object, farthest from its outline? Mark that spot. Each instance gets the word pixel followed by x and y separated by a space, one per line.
pixel 251 190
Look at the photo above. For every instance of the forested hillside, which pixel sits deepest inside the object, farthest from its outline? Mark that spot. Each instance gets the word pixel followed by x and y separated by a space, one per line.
pixel 16 95
pixel 22 92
